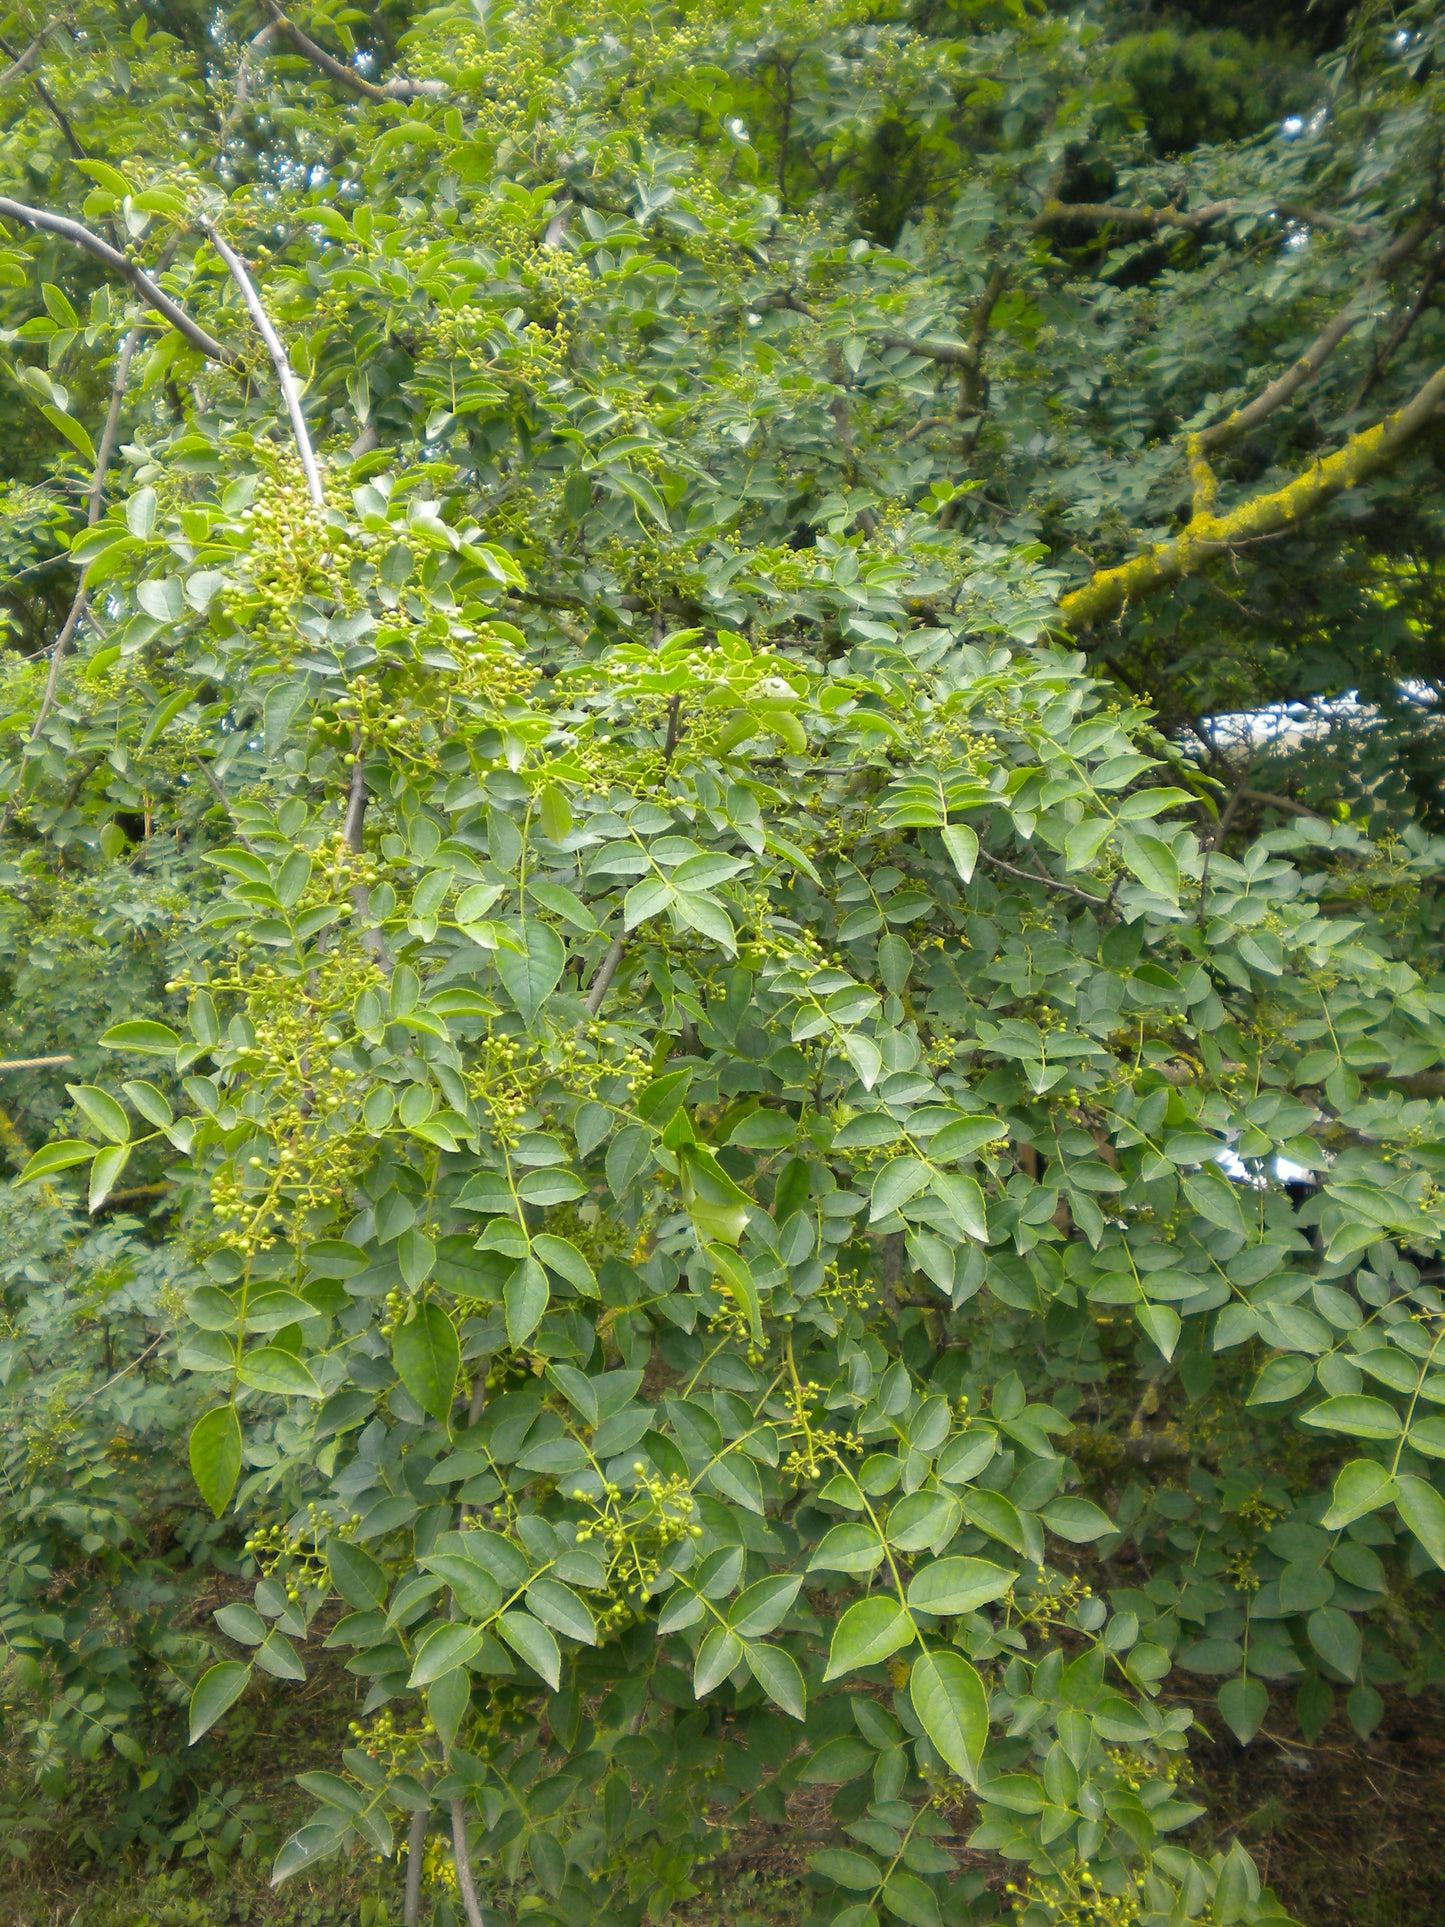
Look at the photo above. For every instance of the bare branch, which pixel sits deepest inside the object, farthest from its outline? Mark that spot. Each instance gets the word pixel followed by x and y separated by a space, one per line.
pixel 1040 876
pixel 94 500
pixel 1286 803
pixel 415 1850
pixel 1208 535
pixel 23 62
pixel 276 348
pixel 1147 220
pixel 606 971
pixel 461 1855
pixel 1276 393
pixel 221 797
pixel 1381 358
pixel 257 44
pixel 47 99
pixel 395 89
pixel 130 271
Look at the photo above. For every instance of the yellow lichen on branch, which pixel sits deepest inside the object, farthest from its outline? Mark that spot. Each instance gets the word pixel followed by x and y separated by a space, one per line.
pixel 1208 535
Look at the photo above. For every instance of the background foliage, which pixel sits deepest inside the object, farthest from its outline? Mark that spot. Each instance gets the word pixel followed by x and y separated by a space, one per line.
pixel 721 805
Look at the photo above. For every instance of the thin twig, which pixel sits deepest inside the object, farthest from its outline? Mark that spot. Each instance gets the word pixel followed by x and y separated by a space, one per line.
pixel 225 802
pixel 116 1377
pixel 51 104
pixel 94 501
pixel 276 348
pixel 462 1856
pixel 33 1063
pixel 396 89
pixel 130 271
pixel 255 44
pixel 1039 876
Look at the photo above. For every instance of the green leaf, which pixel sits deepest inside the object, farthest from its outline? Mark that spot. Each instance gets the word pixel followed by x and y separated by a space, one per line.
pixel 952 1708
pixel 847 1869
pixel 532 1642
pixel 270 1369
pixel 1423 1511
pixel 60 1156
pixel 895 1184
pixel 1078 1520
pixel 445 1647
pixel 763 1605
pixel 962 1198
pixel 531 975
pixel 911 1899
pixel 215 1454
pixel 525 1297
pixel 101 1110
pixel 1355 1414
pixel 778 1674
pixel 107 1168
pixel 718 1654
pixel 427 1358
pixel 961 844
pixel 563 1257
pixel 216 1691
pixel 558 1606
pixel 1360 1487
pixel 1085 840
pixel 716 1205
pixel 71 429
pixel 1153 862
pixel 1162 1324
pixel 955 1585
pixel 308 1847
pixel 871 1630
pixel 142 1036
pixel 1243 1703
pixel 356 1575
pixel 737 1275
pixel 1336 1638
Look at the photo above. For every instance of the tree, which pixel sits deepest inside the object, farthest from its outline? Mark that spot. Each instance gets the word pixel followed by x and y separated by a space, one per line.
pixel 724 1098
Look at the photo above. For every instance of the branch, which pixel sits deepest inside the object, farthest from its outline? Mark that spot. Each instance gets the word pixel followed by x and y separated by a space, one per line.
pixel 1040 876
pixel 1208 535
pixel 396 89
pixel 1149 220
pixel 23 62
pixel 130 271
pixel 1146 220
pixel 256 44
pixel 94 501
pixel 461 1855
pixel 225 802
pixel 1381 358
pixel 1286 803
pixel 351 829
pixel 49 102
pixel 276 348
pixel 415 1850
pixel 606 971
pixel 1280 390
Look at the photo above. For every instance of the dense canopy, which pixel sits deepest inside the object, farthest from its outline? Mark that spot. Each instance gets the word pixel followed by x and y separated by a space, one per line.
pixel 720 830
